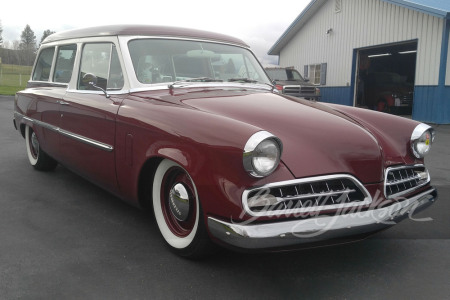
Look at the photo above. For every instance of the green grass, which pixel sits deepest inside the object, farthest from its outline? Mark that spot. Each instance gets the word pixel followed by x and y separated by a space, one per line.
pixel 13 78
pixel 9 90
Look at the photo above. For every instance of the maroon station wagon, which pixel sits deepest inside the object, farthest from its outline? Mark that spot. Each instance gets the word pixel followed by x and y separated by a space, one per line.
pixel 187 123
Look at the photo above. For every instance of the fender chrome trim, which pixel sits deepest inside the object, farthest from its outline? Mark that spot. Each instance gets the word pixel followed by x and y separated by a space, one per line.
pixel 80 138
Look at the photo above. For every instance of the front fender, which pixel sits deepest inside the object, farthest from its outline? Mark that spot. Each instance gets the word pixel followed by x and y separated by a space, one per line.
pixel 393 133
pixel 208 146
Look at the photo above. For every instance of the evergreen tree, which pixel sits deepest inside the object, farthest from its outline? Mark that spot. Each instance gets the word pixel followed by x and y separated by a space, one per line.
pixel 1 31
pixel 28 39
pixel 45 35
pixel 28 45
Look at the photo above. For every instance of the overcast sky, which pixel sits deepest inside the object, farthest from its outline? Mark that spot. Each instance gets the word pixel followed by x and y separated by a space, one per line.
pixel 258 23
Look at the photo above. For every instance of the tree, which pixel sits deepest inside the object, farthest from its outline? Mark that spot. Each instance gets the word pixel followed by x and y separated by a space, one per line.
pixel 28 39
pixel 28 45
pixel 1 31
pixel 45 35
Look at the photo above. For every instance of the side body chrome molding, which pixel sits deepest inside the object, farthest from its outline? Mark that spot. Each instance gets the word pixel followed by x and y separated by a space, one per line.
pixel 77 137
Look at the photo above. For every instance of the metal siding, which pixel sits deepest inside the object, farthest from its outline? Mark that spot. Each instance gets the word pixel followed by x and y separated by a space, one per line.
pixel 432 104
pixel 338 95
pixel 364 23
pixel 447 78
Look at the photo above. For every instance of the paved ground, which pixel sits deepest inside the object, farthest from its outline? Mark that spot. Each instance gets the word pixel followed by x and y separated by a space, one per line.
pixel 63 238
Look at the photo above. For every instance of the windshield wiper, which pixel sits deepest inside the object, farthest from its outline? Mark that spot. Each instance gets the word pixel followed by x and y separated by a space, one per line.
pixel 242 80
pixel 197 79
pixel 248 80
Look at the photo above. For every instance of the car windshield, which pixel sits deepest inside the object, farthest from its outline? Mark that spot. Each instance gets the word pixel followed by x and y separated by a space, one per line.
pixel 284 74
pixel 164 60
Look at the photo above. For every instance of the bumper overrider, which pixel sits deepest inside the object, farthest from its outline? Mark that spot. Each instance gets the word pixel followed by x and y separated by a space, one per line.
pixel 280 234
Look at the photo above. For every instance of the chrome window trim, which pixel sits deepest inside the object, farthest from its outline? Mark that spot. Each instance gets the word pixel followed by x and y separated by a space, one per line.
pixel 367 200
pixel 48 84
pixel 386 172
pixel 80 138
pixel 110 92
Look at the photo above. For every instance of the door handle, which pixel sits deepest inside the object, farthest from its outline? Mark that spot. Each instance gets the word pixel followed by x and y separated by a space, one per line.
pixel 62 102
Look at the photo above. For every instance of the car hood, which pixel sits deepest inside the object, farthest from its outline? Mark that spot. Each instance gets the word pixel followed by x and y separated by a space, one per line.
pixel 316 139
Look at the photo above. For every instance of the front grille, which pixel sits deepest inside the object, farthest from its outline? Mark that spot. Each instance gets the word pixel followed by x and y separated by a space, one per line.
pixel 405 179
pixel 297 89
pixel 308 89
pixel 306 195
pixel 291 89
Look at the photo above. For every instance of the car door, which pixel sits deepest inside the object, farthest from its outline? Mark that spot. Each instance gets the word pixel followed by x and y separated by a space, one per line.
pixel 42 105
pixel 88 115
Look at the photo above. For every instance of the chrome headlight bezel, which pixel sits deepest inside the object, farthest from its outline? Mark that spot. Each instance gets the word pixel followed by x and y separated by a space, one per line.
pixel 422 139
pixel 251 152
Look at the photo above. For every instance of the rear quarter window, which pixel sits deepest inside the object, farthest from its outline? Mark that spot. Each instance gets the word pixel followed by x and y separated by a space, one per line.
pixel 43 65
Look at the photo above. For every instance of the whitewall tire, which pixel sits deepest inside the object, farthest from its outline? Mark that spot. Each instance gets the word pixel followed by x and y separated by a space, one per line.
pixel 36 156
pixel 178 211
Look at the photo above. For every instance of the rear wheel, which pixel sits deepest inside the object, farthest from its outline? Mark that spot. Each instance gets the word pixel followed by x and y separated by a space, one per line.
pixel 178 211
pixel 38 158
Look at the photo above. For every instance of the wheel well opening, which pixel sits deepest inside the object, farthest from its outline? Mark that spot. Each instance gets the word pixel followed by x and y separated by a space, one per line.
pixel 22 130
pixel 145 185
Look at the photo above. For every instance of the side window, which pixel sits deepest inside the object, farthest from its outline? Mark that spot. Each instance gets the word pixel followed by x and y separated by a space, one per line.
pixel 64 63
pixel 102 61
pixel 115 79
pixel 43 65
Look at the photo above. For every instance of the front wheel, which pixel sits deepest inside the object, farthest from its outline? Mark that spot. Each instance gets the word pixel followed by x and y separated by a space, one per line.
pixel 38 158
pixel 178 211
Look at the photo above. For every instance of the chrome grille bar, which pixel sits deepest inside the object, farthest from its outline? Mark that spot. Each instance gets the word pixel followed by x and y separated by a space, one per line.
pixel 306 195
pixel 404 179
pixel 316 195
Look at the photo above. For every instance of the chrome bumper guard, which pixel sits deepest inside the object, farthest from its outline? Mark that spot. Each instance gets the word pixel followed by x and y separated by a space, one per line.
pixel 312 230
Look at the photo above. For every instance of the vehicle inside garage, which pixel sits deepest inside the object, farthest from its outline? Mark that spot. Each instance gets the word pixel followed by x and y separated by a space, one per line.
pixel 385 78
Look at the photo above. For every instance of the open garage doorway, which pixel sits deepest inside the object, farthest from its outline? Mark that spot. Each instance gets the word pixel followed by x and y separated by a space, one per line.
pixel 385 78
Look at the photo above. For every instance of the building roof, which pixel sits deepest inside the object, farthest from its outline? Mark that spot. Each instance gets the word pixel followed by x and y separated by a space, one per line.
pixel 143 30
pixel 438 8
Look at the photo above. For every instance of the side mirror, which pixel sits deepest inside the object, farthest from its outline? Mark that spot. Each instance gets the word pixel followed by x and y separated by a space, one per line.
pixel 91 80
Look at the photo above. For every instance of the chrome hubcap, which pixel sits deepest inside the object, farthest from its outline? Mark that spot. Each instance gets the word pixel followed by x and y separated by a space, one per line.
pixel 34 143
pixel 179 202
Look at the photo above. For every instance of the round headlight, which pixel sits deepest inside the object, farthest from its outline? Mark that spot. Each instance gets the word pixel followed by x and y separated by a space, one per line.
pixel 262 154
pixel 421 140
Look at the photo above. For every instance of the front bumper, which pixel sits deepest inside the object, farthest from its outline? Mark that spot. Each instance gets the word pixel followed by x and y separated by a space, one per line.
pixel 314 230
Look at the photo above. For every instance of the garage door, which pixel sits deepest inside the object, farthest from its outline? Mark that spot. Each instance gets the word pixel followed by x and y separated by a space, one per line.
pixel 385 78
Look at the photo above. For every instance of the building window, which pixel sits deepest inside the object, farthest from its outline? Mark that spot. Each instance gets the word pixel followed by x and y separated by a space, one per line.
pixel 337 6
pixel 314 74
pixel 317 73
